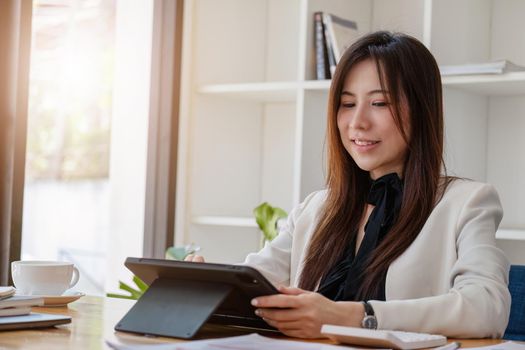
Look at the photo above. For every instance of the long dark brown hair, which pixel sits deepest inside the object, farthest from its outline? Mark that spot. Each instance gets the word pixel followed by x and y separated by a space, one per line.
pixel 409 72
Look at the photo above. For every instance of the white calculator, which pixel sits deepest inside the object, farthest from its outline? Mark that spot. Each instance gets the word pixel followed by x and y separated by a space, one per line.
pixel 382 338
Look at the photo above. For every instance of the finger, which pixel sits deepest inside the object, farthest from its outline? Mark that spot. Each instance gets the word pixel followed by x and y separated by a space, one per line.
pixel 289 326
pixel 291 290
pixel 284 326
pixel 277 300
pixel 280 315
pixel 293 333
pixel 194 258
pixel 300 333
pixel 294 329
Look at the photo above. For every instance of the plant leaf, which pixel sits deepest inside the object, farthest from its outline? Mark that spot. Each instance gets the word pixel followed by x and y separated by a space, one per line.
pixel 266 217
pixel 134 293
pixel 261 215
pixel 140 284
pixel 121 296
pixel 176 253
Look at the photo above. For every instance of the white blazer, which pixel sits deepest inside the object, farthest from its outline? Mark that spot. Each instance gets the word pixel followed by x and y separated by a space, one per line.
pixel 452 279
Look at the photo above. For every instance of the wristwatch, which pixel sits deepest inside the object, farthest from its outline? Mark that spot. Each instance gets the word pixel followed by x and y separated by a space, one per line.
pixel 370 320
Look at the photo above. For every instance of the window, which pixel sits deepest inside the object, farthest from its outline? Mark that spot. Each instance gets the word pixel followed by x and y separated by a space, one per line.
pixel 84 193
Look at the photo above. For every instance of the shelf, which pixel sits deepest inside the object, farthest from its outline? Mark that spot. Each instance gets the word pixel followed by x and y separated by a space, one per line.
pixel 285 91
pixel 488 84
pixel 224 221
pixel 265 91
pixel 508 234
pixel 317 85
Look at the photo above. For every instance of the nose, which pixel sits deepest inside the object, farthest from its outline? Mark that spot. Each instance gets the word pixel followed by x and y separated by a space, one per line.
pixel 359 119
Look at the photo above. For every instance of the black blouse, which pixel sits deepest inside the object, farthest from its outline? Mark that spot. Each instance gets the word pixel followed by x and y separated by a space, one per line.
pixel 343 280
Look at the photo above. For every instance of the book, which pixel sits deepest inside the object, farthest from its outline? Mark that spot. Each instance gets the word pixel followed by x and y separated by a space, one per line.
pixel 496 67
pixel 6 292
pixel 332 62
pixel 15 311
pixel 322 67
pixel 20 301
pixel 33 320
pixel 341 33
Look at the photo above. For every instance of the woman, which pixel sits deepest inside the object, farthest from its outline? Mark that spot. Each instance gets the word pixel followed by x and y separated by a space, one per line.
pixel 391 243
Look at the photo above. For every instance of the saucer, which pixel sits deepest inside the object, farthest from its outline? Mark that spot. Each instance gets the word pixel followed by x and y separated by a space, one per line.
pixel 61 300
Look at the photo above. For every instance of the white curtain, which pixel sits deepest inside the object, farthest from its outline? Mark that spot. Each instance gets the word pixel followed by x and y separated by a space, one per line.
pixel 15 44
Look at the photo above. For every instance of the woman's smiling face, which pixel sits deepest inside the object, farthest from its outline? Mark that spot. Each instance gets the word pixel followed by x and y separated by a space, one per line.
pixel 366 125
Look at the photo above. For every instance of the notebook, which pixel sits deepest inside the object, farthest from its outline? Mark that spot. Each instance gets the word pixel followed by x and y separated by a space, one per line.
pixel 33 320
pixel 21 301
pixel 15 311
pixel 6 292
pixel 382 338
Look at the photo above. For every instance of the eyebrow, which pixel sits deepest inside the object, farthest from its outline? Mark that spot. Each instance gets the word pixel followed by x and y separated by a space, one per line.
pixel 379 91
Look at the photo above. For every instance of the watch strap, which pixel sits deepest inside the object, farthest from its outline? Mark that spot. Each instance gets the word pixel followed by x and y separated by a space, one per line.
pixel 370 320
pixel 369 310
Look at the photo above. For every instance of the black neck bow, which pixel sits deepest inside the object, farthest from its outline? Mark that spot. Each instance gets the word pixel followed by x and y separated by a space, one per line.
pixel 343 280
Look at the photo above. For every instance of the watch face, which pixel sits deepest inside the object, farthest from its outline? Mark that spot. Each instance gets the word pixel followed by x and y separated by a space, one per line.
pixel 369 322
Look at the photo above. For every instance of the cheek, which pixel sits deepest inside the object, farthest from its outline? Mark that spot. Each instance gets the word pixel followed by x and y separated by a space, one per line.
pixel 339 120
pixel 395 139
pixel 399 144
pixel 342 122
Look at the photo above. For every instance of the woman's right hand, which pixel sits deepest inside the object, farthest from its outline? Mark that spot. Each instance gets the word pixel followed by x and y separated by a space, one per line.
pixel 194 258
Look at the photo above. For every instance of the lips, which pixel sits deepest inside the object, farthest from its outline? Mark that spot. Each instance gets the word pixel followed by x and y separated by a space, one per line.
pixel 361 142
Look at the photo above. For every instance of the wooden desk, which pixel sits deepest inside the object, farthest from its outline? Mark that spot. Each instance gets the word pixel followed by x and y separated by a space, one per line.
pixel 93 319
pixel 93 322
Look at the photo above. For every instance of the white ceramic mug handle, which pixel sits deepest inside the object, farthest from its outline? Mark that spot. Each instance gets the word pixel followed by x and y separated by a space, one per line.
pixel 76 276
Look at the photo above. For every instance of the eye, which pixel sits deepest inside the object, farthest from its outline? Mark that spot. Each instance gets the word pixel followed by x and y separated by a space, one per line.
pixel 379 103
pixel 347 104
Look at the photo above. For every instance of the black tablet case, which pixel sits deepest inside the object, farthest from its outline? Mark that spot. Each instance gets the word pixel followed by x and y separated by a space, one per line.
pixel 183 296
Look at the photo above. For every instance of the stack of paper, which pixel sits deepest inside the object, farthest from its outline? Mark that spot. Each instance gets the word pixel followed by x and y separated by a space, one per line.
pixel 497 67
pixel 14 305
pixel 6 292
pixel 255 342
pixel 243 342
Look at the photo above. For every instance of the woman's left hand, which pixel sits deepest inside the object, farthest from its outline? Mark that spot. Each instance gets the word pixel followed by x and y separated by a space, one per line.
pixel 300 313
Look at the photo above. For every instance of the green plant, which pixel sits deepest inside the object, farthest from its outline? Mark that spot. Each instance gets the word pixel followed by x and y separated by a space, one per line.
pixel 134 293
pixel 172 253
pixel 267 217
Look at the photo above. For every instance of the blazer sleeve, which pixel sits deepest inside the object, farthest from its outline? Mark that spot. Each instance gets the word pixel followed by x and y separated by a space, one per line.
pixel 478 302
pixel 274 260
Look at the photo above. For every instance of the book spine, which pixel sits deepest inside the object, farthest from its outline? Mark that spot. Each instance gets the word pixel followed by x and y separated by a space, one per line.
pixel 344 33
pixel 321 57
pixel 332 62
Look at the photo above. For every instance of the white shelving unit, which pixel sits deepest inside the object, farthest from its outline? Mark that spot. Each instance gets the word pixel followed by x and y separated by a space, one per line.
pixel 509 84
pixel 253 117
pixel 511 235
pixel 224 221
pixel 264 92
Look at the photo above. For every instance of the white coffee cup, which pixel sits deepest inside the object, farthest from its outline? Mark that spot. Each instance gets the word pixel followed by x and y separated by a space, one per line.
pixel 43 277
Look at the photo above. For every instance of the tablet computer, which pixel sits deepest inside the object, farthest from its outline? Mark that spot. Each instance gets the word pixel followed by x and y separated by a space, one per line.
pixel 243 282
